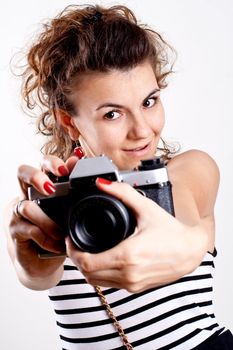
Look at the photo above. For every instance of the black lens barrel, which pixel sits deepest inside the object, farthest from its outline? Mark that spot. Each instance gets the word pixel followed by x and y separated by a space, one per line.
pixel 98 222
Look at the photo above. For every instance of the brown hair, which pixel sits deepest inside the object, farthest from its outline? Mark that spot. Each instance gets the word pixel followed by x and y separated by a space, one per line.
pixel 81 39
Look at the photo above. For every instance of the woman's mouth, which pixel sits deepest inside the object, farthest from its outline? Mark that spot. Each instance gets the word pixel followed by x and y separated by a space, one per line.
pixel 139 151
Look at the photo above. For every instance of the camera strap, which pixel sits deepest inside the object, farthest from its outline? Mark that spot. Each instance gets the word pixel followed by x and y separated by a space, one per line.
pixel 116 323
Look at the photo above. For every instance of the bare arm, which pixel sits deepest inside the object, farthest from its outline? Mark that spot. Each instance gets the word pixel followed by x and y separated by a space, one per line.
pixel 195 178
pixel 33 229
pixel 163 248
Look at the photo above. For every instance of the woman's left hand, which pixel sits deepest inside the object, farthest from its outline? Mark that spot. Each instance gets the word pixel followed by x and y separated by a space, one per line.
pixel 161 250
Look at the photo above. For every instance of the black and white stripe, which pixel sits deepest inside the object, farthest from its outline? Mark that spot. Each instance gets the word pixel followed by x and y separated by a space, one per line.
pixel 178 316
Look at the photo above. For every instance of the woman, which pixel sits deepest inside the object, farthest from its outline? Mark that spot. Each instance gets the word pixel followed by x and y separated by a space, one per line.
pixel 97 75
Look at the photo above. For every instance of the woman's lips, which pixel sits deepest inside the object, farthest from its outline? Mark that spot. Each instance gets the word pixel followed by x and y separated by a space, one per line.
pixel 139 151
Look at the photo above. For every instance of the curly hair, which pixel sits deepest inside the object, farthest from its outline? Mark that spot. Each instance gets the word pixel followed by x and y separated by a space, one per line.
pixel 82 39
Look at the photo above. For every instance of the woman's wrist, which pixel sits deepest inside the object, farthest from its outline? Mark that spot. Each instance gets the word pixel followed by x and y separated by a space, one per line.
pixel 196 241
pixel 37 281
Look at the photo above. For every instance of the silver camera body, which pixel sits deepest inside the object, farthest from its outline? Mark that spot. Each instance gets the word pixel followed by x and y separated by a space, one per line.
pixel 95 220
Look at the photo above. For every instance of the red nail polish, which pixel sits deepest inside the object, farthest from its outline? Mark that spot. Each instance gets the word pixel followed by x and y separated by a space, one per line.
pixel 79 152
pixel 103 181
pixel 49 188
pixel 62 170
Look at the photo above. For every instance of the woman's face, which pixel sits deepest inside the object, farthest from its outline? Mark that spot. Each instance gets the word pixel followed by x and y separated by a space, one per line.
pixel 119 114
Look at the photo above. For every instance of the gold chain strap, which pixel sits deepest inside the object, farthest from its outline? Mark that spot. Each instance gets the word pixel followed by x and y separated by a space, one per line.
pixel 116 323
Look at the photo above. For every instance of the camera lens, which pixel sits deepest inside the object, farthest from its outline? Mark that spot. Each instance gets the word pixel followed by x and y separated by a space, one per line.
pixel 98 222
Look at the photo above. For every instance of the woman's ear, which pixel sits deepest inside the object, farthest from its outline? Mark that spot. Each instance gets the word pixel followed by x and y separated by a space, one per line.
pixel 67 123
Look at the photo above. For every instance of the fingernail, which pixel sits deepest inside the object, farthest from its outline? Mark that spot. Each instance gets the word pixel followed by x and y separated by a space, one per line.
pixel 62 170
pixel 79 152
pixel 49 188
pixel 103 181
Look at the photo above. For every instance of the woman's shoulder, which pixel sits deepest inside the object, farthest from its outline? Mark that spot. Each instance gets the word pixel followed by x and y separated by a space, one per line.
pixel 198 172
pixel 194 161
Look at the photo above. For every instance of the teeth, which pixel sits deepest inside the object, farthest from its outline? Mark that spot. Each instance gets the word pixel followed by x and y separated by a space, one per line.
pixel 139 148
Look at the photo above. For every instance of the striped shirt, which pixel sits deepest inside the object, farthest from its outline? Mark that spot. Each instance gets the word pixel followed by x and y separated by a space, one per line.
pixel 177 316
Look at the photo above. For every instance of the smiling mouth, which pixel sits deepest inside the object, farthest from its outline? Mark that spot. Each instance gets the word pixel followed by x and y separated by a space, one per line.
pixel 138 149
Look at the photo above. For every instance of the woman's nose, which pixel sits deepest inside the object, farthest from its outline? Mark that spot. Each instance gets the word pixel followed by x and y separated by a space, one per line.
pixel 139 127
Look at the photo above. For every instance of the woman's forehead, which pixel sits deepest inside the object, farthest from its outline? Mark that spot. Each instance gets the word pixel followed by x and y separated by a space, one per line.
pixel 114 88
pixel 142 73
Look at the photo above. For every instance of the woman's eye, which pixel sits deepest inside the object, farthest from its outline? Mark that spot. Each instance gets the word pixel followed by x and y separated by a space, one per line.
pixel 112 115
pixel 150 102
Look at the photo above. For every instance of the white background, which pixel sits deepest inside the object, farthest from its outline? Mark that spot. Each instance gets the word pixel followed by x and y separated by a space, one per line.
pixel 199 108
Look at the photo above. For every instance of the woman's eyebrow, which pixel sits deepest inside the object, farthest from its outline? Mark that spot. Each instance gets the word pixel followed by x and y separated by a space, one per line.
pixel 109 104
pixel 152 93
pixel 115 105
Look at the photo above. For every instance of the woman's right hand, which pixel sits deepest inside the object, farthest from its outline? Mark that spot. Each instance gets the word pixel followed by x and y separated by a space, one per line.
pixel 29 227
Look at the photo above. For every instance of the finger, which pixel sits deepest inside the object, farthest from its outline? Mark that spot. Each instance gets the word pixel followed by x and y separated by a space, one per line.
pixel 23 232
pixel 71 162
pixel 16 209
pixel 33 213
pixel 131 289
pixel 103 283
pixel 30 176
pixel 145 209
pixel 130 280
pixel 104 278
pixel 113 284
pixel 110 259
pixel 124 192
pixel 53 164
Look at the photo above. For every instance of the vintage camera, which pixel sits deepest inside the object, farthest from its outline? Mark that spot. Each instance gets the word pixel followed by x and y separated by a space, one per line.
pixel 95 220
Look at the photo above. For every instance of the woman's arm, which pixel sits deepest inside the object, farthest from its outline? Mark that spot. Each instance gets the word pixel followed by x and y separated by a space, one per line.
pixel 195 178
pixel 34 229
pixel 23 240
pixel 163 248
